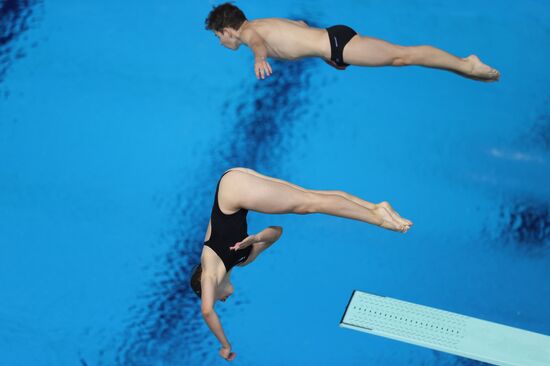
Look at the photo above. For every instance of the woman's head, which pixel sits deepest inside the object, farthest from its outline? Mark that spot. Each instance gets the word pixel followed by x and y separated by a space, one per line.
pixel 224 289
pixel 196 280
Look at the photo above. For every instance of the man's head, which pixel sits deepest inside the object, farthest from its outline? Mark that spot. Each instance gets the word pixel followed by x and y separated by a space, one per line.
pixel 223 290
pixel 225 20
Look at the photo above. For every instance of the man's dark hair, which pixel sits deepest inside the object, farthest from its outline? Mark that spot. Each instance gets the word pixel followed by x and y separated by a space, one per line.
pixel 195 281
pixel 224 16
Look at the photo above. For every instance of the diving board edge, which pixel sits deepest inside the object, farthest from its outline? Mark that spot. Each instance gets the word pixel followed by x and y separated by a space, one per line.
pixel 445 331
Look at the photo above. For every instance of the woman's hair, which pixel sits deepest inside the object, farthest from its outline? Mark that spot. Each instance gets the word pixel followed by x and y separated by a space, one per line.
pixel 224 16
pixel 195 281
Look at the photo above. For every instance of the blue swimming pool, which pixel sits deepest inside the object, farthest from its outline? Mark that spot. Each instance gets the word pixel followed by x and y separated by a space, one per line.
pixel 117 118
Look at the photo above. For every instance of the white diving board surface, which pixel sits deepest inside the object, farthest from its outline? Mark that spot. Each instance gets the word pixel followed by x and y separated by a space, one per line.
pixel 445 331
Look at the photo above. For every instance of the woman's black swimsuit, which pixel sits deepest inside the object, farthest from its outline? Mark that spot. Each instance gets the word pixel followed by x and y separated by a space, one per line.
pixel 226 231
pixel 339 36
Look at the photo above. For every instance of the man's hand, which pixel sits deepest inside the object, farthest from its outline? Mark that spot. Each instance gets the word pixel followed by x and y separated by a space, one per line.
pixel 262 68
pixel 226 354
pixel 248 241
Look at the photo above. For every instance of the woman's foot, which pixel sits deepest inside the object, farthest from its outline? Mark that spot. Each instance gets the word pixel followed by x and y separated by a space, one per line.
pixel 477 70
pixel 391 219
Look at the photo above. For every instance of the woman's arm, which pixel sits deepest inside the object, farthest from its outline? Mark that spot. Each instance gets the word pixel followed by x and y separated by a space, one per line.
pixel 269 235
pixel 266 237
pixel 208 297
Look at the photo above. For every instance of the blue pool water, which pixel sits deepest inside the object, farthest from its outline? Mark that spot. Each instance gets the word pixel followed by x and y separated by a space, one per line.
pixel 117 118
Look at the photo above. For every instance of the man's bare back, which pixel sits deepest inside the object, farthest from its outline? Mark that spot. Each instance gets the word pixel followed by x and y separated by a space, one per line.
pixel 287 39
pixel 339 46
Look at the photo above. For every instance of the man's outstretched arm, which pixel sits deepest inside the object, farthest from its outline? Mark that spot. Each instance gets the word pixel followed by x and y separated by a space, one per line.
pixel 262 68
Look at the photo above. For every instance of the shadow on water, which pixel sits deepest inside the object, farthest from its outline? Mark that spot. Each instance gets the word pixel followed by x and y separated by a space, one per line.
pixel 523 220
pixel 445 359
pixel 259 128
pixel 541 129
pixel 16 17
pixel 526 223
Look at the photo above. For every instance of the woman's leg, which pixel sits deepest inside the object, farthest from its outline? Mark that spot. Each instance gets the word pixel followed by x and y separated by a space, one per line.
pixel 241 189
pixel 368 51
pixel 343 194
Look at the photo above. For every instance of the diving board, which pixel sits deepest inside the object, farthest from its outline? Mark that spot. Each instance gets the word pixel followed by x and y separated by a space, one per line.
pixel 445 331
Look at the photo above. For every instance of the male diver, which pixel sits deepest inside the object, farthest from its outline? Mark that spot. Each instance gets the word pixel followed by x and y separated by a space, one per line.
pixel 338 45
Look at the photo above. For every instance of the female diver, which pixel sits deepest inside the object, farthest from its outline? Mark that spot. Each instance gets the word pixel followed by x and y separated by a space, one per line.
pixel 227 243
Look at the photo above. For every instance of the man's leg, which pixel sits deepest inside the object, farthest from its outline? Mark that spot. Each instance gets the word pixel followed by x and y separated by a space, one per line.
pixel 368 51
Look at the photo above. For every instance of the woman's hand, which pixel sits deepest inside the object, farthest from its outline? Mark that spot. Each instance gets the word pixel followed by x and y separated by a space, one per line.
pixel 248 241
pixel 226 354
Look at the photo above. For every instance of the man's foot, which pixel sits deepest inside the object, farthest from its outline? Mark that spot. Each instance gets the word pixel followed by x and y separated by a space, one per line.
pixel 391 219
pixel 477 70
